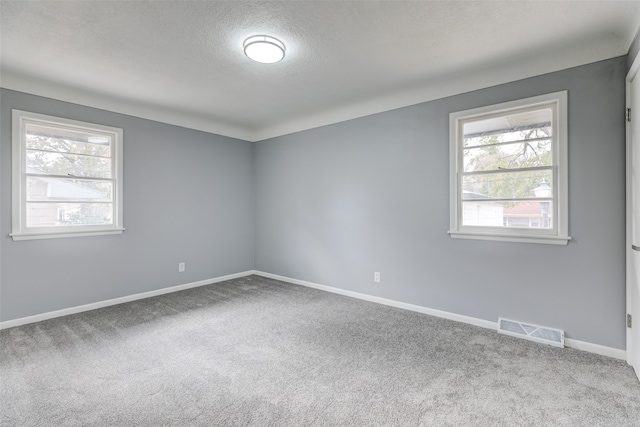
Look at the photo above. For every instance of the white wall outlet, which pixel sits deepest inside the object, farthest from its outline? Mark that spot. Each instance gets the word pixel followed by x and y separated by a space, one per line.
pixel 376 277
pixel 181 267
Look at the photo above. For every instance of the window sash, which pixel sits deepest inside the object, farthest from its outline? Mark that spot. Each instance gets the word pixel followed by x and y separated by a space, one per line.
pixel 505 229
pixel 514 173
pixel 505 170
pixel 498 144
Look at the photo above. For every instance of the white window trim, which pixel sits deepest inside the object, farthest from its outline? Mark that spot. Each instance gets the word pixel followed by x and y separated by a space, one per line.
pixel 559 235
pixel 20 231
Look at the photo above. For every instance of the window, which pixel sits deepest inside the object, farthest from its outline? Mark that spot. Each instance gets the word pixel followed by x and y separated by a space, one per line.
pixel 508 165
pixel 67 178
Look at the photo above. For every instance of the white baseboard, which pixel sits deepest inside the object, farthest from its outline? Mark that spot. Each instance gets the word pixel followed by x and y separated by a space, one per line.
pixel 411 307
pixel 100 304
pixel 602 350
pixel 569 342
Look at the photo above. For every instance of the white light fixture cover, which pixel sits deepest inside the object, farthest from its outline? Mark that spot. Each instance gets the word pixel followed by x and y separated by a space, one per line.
pixel 264 49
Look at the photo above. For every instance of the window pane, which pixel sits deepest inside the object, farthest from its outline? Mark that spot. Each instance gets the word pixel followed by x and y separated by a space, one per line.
pixel 529 214
pixel 525 214
pixel 54 189
pixel 511 156
pixel 510 127
pixel 508 185
pixel 67 141
pixel 488 214
pixel 68 214
pixel 40 162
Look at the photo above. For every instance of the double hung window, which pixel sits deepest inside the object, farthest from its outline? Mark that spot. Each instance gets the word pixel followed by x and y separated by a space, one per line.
pixel 508 166
pixel 67 177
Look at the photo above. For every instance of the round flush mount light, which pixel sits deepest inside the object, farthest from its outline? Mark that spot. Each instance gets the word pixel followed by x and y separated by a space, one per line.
pixel 264 49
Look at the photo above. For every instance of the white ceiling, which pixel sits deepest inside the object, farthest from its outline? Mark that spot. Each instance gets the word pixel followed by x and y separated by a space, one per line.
pixel 182 62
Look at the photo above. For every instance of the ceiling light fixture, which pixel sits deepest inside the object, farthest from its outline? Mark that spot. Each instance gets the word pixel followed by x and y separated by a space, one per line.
pixel 264 49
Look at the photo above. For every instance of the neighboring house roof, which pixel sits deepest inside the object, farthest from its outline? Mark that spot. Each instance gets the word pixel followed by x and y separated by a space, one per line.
pixel 526 208
pixel 473 195
pixel 60 189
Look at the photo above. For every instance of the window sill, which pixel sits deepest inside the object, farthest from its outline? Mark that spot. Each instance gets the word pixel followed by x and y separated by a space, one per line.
pixel 519 238
pixel 36 236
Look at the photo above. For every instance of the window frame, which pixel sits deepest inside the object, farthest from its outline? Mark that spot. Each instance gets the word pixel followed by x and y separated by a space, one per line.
pixel 559 233
pixel 20 230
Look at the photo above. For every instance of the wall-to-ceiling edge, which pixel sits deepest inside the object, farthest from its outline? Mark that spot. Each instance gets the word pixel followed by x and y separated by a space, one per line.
pixel 554 59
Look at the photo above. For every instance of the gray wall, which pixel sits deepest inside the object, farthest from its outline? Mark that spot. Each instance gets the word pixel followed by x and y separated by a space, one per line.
pixel 187 197
pixel 633 50
pixel 334 204
pixel 337 203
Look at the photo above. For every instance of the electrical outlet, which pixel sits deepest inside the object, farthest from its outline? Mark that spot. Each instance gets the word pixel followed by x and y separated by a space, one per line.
pixel 181 267
pixel 376 277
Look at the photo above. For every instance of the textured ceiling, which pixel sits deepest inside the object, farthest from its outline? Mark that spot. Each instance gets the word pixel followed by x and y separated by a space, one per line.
pixel 182 62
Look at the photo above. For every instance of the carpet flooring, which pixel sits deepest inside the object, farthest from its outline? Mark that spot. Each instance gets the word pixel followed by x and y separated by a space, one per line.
pixel 258 352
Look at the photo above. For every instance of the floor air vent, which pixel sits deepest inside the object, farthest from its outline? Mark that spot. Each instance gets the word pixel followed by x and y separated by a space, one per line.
pixel 535 333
